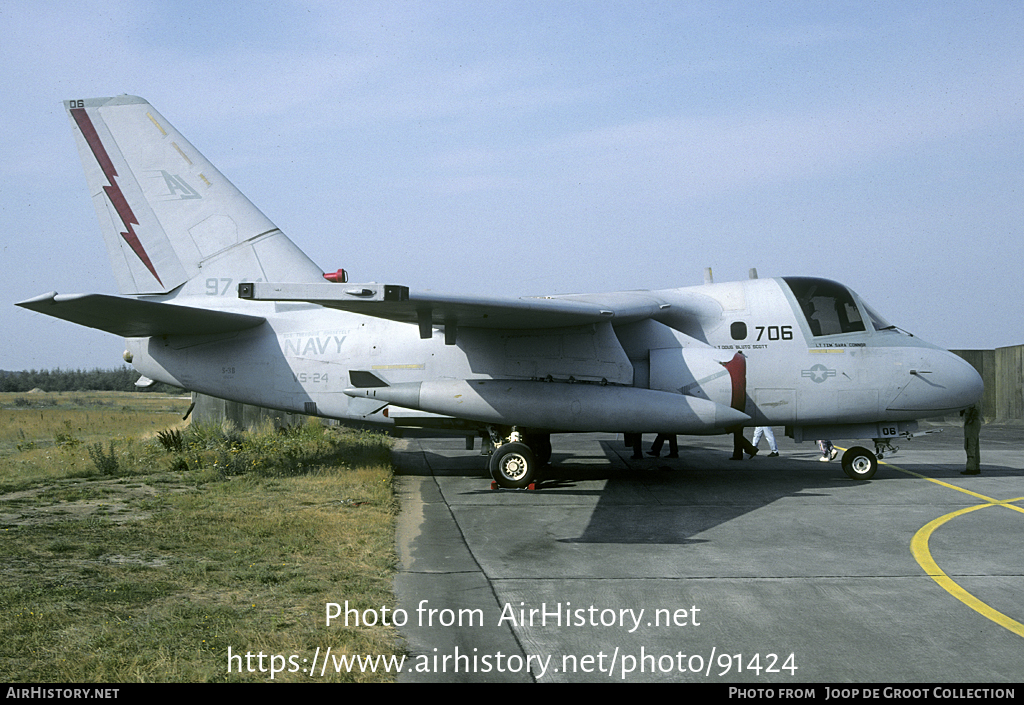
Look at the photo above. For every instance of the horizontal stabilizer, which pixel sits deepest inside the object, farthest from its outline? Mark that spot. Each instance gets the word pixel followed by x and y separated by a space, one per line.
pixel 134 318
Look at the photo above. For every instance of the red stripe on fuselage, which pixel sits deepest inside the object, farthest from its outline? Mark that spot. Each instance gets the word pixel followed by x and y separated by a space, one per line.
pixel 113 191
pixel 737 368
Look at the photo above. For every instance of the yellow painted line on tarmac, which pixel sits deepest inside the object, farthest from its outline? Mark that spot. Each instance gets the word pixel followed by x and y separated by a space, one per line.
pixel 919 547
pixel 987 500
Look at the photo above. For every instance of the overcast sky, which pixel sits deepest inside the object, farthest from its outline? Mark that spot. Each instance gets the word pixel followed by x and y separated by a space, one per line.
pixel 522 148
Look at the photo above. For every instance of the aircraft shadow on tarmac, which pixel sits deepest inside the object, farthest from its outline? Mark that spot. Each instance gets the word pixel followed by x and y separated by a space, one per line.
pixel 669 501
pixel 703 489
pixel 662 501
pixel 659 501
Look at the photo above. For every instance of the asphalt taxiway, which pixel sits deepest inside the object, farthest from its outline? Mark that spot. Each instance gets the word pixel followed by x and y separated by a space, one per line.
pixel 767 570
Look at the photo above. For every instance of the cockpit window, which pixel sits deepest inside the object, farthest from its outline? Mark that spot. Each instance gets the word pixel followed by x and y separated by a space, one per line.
pixel 828 307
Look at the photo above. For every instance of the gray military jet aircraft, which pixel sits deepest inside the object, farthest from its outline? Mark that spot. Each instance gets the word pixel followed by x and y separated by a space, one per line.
pixel 216 299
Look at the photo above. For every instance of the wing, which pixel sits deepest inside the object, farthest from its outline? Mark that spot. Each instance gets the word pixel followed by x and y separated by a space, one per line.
pixel 134 318
pixel 428 309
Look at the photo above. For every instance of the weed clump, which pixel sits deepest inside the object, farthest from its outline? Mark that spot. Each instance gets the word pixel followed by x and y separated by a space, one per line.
pixel 266 452
pixel 65 437
pixel 172 440
pixel 105 463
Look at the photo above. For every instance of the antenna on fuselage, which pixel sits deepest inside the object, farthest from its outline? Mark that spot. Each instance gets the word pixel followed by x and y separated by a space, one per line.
pixel 708 279
pixel 753 273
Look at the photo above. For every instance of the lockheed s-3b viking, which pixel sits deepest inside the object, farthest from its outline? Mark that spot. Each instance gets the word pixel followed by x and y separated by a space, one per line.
pixel 215 299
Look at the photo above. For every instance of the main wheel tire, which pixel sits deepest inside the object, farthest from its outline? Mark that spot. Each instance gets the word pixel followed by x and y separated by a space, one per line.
pixel 860 463
pixel 513 465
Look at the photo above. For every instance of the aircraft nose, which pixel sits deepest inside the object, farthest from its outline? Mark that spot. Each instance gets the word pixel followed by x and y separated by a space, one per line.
pixel 939 382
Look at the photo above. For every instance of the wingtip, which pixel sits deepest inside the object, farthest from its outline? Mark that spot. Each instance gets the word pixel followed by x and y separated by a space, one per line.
pixel 36 300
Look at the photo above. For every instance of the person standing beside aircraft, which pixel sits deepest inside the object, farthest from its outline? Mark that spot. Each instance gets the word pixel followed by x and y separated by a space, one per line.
pixel 634 441
pixel 828 451
pixel 769 436
pixel 741 445
pixel 673 446
pixel 972 432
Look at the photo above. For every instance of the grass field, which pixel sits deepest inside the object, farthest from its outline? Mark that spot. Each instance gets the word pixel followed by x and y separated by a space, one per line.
pixel 126 557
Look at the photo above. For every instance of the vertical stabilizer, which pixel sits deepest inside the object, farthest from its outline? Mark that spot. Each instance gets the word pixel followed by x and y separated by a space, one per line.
pixel 168 216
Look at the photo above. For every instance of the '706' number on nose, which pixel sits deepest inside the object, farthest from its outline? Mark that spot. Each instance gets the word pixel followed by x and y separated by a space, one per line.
pixel 775 332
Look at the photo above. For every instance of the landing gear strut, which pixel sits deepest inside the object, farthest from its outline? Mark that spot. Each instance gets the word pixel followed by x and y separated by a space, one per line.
pixel 884 445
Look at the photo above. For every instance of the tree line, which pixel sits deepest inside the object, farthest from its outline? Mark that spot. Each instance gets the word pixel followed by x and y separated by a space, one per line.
pixel 119 379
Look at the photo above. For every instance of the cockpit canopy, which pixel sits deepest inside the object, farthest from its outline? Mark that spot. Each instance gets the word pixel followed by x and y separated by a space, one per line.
pixel 832 309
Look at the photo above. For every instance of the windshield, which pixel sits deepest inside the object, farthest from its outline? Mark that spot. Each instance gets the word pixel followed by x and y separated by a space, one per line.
pixel 828 306
pixel 880 323
pixel 877 321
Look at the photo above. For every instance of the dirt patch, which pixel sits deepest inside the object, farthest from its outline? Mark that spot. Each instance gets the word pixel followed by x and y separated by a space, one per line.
pixel 117 500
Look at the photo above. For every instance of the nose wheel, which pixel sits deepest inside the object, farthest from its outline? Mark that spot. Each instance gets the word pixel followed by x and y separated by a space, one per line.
pixel 859 463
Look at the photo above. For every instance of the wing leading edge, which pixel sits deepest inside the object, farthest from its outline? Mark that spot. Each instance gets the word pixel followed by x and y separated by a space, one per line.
pixel 428 309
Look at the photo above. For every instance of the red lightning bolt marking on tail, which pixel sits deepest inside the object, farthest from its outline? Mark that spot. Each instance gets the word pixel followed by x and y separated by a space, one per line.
pixel 113 191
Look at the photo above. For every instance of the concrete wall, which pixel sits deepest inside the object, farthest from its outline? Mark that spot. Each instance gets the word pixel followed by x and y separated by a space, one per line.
pixel 212 410
pixel 1002 370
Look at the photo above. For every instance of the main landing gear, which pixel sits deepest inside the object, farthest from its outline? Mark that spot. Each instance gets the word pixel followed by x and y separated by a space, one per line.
pixel 859 463
pixel 517 457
